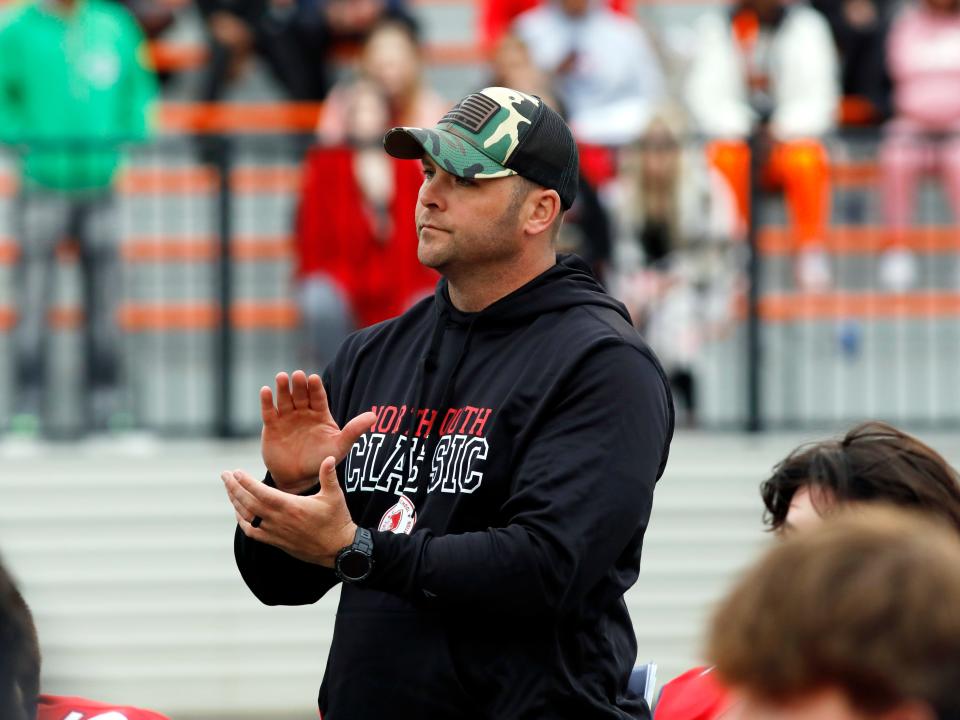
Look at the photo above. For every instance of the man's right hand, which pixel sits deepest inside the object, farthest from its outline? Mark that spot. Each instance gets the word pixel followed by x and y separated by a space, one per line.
pixel 299 431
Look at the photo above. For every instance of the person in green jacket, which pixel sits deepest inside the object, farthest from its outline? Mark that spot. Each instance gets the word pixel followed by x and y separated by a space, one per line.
pixel 75 85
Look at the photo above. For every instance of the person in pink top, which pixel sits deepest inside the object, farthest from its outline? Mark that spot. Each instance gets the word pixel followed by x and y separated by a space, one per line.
pixel 923 56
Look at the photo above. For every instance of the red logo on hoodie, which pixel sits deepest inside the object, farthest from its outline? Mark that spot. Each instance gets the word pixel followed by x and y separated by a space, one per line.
pixel 400 518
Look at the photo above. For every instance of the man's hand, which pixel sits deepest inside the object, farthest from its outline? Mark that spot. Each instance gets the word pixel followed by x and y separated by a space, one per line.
pixel 299 431
pixel 312 528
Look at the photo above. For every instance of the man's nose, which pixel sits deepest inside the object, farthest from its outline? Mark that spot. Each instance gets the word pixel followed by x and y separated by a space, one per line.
pixel 431 194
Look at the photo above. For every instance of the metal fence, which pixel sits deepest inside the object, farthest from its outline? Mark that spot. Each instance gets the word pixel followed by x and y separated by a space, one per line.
pixel 205 311
pixel 207 315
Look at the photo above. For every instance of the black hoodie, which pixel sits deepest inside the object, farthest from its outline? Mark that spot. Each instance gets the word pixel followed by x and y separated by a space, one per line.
pixel 547 422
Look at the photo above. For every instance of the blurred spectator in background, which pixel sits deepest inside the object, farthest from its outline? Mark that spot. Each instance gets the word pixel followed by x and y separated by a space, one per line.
pixel 587 230
pixel 854 621
pixel 770 69
pixel 924 134
pixel 356 245
pixel 873 463
pixel 511 66
pixel 20 697
pixel 73 86
pixel 496 16
pixel 860 30
pixel 393 59
pixel 323 26
pixel 674 263
pixel 604 71
pixel 238 30
pixel 154 18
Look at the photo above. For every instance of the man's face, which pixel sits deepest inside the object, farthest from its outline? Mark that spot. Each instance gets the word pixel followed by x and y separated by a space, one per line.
pixel 463 222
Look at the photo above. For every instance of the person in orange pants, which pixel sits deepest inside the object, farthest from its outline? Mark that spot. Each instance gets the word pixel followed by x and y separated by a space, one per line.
pixel 769 68
pixel 800 168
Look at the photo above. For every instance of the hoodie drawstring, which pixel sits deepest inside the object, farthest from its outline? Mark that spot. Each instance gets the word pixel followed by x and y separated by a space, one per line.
pixel 427 365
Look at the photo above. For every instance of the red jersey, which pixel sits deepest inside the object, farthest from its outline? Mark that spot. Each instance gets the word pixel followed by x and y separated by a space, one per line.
pixel 56 707
pixel 698 694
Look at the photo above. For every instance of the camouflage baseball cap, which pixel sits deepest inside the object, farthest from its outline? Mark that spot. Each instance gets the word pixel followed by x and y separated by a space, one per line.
pixel 495 133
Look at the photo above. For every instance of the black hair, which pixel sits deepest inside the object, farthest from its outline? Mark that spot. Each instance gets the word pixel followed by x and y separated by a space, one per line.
pixel 874 461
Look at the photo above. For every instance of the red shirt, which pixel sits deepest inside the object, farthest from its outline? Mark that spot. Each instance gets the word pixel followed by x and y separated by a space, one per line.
pixel 55 707
pixel 698 694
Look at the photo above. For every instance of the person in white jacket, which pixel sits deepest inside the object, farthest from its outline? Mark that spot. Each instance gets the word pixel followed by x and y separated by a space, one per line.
pixel 607 74
pixel 770 67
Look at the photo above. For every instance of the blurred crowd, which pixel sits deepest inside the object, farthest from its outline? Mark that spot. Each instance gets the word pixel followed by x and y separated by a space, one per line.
pixel 679 135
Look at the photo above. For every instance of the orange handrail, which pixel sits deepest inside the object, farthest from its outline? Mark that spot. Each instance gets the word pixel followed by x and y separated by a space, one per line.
pixel 199 179
pixel 160 316
pixel 239 117
pixel 866 240
pixel 791 307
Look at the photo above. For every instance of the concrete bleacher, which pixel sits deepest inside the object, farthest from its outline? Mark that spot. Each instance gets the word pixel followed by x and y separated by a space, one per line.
pixel 124 552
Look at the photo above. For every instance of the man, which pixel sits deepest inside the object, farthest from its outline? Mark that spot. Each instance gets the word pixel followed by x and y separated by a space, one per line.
pixel 20 672
pixel 493 487
pixel 73 87
pixel 770 68
pixel 854 621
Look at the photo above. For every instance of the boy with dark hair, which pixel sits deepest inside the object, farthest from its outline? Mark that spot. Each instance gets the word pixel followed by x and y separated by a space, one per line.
pixel 873 461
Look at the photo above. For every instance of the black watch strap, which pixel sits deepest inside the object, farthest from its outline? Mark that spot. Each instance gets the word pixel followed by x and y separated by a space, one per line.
pixel 355 562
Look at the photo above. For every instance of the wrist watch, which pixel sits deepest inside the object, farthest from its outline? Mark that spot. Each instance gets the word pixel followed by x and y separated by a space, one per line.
pixel 355 561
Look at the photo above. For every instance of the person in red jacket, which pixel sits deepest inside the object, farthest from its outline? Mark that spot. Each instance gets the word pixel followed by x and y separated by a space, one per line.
pixel 20 697
pixel 355 244
pixel 874 462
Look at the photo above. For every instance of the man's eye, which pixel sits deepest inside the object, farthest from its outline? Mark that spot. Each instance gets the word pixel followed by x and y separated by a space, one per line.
pixel 428 174
pixel 466 182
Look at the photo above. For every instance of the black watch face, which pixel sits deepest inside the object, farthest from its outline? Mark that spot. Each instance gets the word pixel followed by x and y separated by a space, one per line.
pixel 354 565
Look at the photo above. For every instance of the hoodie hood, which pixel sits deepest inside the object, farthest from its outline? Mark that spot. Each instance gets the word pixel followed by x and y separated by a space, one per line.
pixel 567 284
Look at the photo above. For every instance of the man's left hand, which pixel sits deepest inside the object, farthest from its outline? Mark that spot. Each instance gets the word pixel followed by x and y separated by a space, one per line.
pixel 312 528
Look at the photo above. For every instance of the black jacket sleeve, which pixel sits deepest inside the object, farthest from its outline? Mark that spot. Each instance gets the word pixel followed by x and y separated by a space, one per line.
pixel 274 576
pixel 581 501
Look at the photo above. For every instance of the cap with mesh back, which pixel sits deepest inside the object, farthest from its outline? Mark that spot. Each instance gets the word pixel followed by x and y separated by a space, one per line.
pixel 495 133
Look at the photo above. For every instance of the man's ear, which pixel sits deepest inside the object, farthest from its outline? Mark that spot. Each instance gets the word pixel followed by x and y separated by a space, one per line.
pixel 542 211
